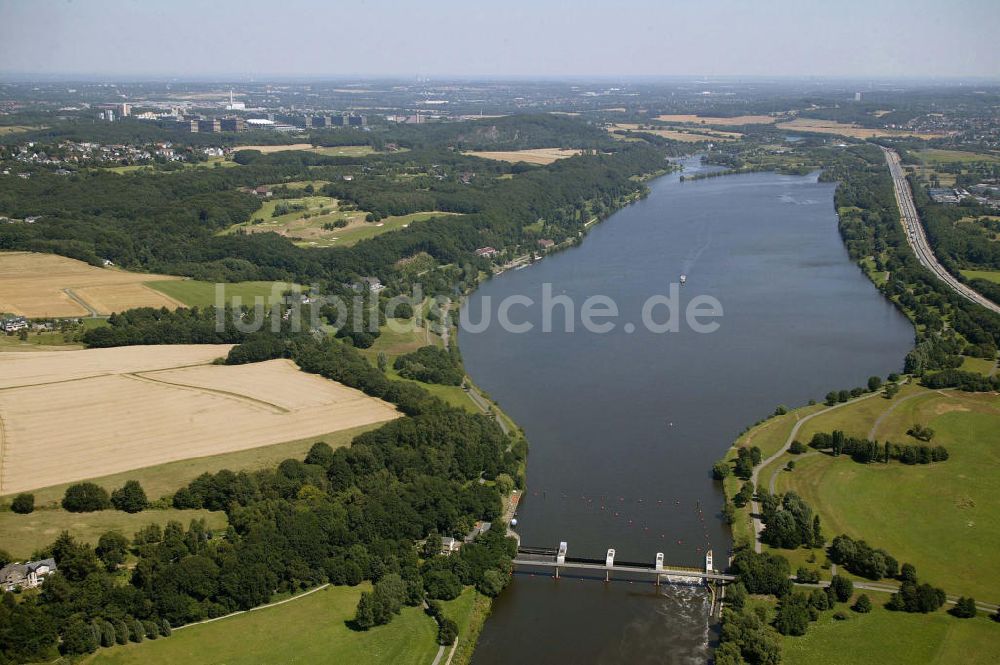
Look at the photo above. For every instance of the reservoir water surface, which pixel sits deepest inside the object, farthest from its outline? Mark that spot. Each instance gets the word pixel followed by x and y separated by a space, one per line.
pixel 624 426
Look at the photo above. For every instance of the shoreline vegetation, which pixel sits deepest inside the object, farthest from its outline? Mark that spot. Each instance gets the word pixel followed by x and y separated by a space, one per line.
pixel 790 479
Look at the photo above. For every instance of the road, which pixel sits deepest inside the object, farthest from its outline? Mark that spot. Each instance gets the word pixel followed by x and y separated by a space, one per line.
pixel 917 239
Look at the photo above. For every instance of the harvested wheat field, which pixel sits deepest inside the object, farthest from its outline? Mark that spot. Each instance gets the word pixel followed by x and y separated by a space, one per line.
pixel 680 133
pixel 841 129
pixel 534 156
pixel 709 120
pixel 103 411
pixel 47 285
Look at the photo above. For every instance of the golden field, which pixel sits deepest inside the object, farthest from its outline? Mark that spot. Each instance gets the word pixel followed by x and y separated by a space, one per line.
pixel 71 415
pixel 709 120
pixel 535 156
pixel 44 285
pixel 680 133
pixel 841 129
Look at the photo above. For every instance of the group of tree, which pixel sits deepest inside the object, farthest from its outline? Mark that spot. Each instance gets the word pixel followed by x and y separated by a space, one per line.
pixel 431 364
pixel 88 497
pixel 860 558
pixel 866 451
pixel 789 522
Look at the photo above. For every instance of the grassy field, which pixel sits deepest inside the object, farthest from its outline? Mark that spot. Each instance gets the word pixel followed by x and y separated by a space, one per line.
pixel 894 638
pixel 312 226
pixel 18 129
pixel 333 151
pixel 306 630
pixel 988 275
pixel 169 404
pixel 356 232
pixel 982 366
pixel 533 156
pixel 211 162
pixel 935 156
pixel 956 536
pixel 47 285
pixel 194 293
pixel 26 534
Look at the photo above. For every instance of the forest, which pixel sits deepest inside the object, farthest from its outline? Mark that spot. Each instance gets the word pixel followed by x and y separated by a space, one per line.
pixel 363 512
pixel 171 222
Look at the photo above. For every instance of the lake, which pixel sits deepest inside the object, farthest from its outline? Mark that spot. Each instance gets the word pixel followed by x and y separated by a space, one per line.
pixel 624 426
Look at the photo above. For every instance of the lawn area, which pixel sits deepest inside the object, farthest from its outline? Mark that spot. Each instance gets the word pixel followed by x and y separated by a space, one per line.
pixel 212 162
pixel 312 223
pixel 25 534
pixel 856 419
pixel 982 366
pixel 40 341
pixel 167 478
pixel 343 150
pixel 194 293
pixel 988 275
pixel 936 156
pixel 956 536
pixel 308 630
pixel 469 611
pixel 894 638
pixel 355 233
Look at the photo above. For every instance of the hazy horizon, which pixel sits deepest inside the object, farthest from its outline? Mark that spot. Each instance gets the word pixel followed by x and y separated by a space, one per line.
pixel 886 39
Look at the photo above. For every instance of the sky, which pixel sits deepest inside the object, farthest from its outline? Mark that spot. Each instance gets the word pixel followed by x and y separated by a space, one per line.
pixel 505 38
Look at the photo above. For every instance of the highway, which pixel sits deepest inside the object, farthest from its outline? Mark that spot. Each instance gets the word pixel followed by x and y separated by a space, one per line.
pixel 917 239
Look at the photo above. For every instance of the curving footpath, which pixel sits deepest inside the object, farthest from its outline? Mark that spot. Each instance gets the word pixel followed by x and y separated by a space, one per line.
pixel 758 526
pixel 917 239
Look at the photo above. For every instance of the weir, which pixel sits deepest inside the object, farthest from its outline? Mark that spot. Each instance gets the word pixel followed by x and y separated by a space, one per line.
pixel 557 560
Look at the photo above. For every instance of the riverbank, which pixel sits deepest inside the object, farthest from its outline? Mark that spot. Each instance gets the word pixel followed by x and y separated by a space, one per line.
pixel 952 545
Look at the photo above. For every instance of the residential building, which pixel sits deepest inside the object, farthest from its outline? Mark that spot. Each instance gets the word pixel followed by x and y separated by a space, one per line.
pixel 25 575
pixel 449 545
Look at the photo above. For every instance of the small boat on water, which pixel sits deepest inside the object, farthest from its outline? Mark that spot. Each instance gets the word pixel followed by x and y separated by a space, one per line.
pixel 684 279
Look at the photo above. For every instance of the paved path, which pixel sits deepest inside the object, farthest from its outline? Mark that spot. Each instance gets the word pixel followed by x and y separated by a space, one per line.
pixel 254 609
pixel 758 526
pixel 882 416
pixel 82 303
pixel 917 239
pixel 485 407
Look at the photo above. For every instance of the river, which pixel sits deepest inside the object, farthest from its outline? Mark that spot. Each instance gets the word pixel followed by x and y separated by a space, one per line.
pixel 624 426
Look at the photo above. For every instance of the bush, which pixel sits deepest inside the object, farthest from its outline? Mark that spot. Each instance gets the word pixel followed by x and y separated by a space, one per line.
pixel 130 497
pixel 447 632
pixel 843 588
pixel 797 447
pixel 863 605
pixel 965 608
pixel 807 575
pixel 913 598
pixel 85 498
pixel 23 504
